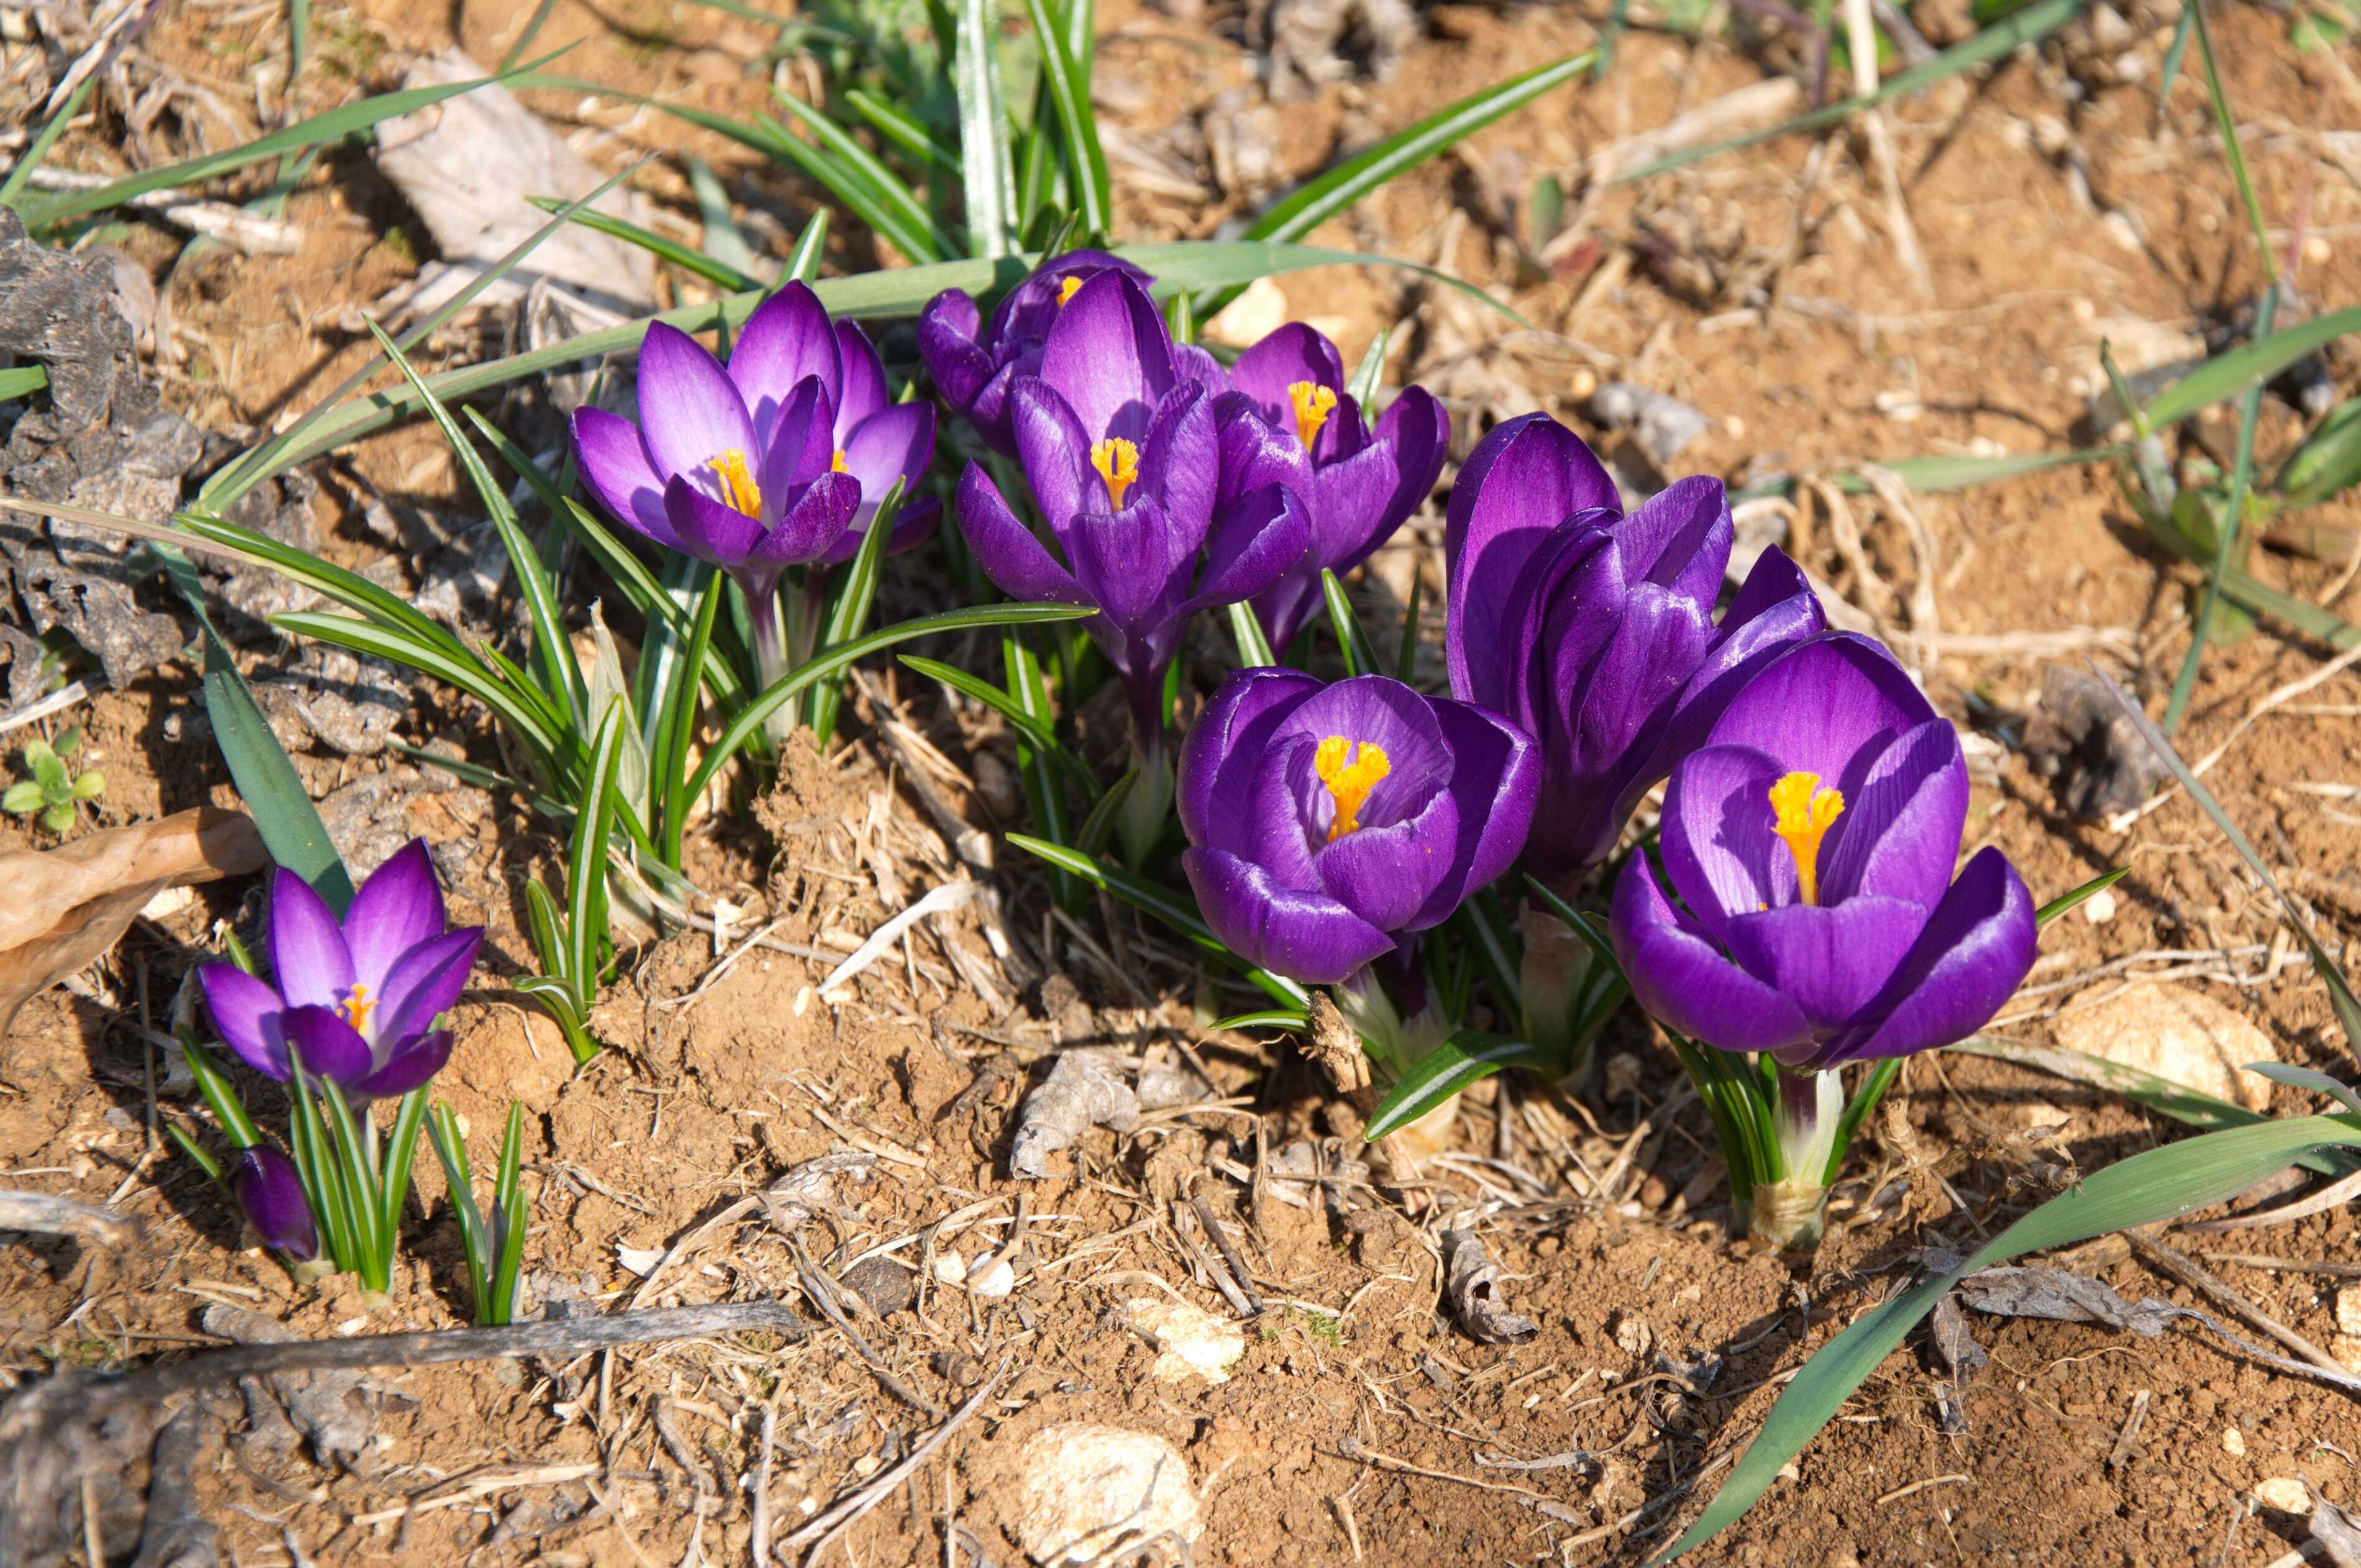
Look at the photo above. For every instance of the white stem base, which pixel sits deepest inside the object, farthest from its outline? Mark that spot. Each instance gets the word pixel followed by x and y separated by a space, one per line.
pixel 1788 1212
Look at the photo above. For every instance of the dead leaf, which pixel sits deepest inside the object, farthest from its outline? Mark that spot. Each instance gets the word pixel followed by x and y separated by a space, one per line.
pixel 1084 1090
pixel 1473 1288
pixel 66 907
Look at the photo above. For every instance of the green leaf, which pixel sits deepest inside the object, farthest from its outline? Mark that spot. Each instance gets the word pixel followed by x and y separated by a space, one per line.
pixel 1291 1018
pixel 34 156
pixel 585 864
pixel 811 249
pixel 749 720
pixel 722 240
pixel 688 257
pixel 1174 908
pixel 2328 461
pixel 47 211
pixel 2228 375
pixel 2157 1184
pixel 1360 658
pixel 1098 828
pixel 1468 1056
pixel 864 183
pixel 23 797
pixel 1372 368
pixel 1246 630
pixel 1038 732
pixel 904 132
pixel 22 381
pixel 987 168
pixel 850 611
pixel 2225 544
pixel 268 785
pixel 2296 1076
pixel 475 1249
pixel 2064 901
pixel 365 636
pixel 1070 92
pixel 89 787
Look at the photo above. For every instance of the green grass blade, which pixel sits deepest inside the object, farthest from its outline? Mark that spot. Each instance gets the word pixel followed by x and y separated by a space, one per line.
pixel 1468 1056
pixel 2064 901
pixel 585 864
pixel 1268 1018
pixel 904 132
pixel 2225 540
pixel 749 720
pixel 1246 630
pixel 1360 658
pixel 2174 53
pixel 863 183
pixel 2155 1185
pixel 1174 908
pixel 1037 732
pixel 2228 375
pixel 509 1206
pixel 2340 994
pixel 22 381
pixel 1044 796
pixel 450 1150
pixel 688 257
pixel 1874 1085
pixel 811 249
pixel 722 239
pixel 35 155
pixel 400 1154
pixel 1068 90
pixel 47 211
pixel 1406 652
pixel 349 589
pixel 268 785
pixel 987 167
pixel 2233 152
pixel 381 643
pixel 2029 26
pixel 854 598
pixel 677 726
pixel 2306 1077
pixel 1496 948
pixel 1362 384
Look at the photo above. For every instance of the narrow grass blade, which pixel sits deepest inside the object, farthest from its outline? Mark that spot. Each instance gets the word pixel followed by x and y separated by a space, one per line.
pixel 854 599
pixel 586 866
pixel 2233 152
pixel 2340 994
pixel 268 785
pixel 511 706
pixel 1044 797
pixel 1098 828
pixel 1874 1085
pixel 509 1224
pixel 2227 375
pixel 2305 1078
pixel 2155 1185
pixel 2226 542
pixel 1070 92
pixel 749 720
pixel 1037 732
pixel 1268 1018
pixel 1498 952
pixel 2174 53
pixel 35 155
pixel 722 240
pixel 400 1154
pixel 987 168
pixel 1360 658
pixel 904 132
pixel 1463 1058
pixel 22 381
pixel 863 182
pixel 1406 654
pixel 688 257
pixel 2064 901
pixel 811 249
pixel 1246 630
pixel 677 726
pixel 1175 909
pixel 475 1249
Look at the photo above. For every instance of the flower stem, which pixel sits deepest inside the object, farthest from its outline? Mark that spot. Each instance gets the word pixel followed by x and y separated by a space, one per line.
pixel 772 661
pixel 1562 984
pixel 1139 820
pixel 1804 1117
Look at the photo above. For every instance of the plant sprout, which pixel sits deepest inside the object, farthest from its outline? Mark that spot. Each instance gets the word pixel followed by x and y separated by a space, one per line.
pixel 55 792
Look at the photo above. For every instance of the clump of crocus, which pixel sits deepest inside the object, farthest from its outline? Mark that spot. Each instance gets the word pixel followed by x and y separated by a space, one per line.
pixel 1289 420
pixel 974 363
pixel 354 1001
pixel 1811 841
pixel 1595 630
pixel 1120 451
pixel 270 1193
pixel 777 460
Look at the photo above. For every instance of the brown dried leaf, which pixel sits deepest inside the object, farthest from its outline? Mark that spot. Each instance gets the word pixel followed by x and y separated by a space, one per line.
pixel 1473 1288
pixel 66 907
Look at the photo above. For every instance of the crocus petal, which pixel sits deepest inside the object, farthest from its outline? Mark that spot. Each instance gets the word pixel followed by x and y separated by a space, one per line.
pixel 1719 847
pixel 1371 710
pixel 914 524
pixel 814 523
pixel 895 443
pixel 1387 874
pixel 1775 609
pixel 246 1015
pixel 955 361
pixel 411 1064
pixel 309 959
pixel 268 1189
pixel 399 907
pixel 1352 502
pixel 1110 356
pixel 1680 537
pixel 690 412
pixel 1290 354
pixel 615 466
pixel 1899 833
pixel 802 445
pixel 787 339
pixel 1123 560
pixel 1420 428
pixel 863 391
pixel 1817 707
pixel 1056 452
pixel 1255 540
pixel 1524 478
pixel 1828 960
pixel 327 1045
pixel 1217 761
pixel 1681 978
pixel 707 529
pixel 1496 782
pixel 1180 463
pixel 425 984
pixel 1271 831
pixel 1006 550
pixel 1976 950
pixel 1310 938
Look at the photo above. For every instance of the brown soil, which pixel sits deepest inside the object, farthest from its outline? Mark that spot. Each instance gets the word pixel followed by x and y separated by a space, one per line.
pixel 2053 211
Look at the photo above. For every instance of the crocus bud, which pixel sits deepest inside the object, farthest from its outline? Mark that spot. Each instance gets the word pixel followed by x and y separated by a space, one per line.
pixel 268 1189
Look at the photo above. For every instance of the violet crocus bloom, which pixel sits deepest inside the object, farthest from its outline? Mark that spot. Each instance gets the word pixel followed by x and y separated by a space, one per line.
pixel 1325 820
pixel 1288 420
pixel 1595 630
pixel 266 1187
pixel 1120 450
pixel 1811 842
pixel 765 465
pixel 353 1000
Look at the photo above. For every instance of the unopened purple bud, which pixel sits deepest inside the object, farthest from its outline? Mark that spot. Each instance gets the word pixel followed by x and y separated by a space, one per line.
pixel 272 1196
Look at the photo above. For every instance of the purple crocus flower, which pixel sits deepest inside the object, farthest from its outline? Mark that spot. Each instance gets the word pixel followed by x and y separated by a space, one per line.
pixel 266 1186
pixel 1324 820
pixel 1811 840
pixel 1120 450
pixel 778 460
pixel 1594 630
pixel 974 363
pixel 353 1000
pixel 1288 420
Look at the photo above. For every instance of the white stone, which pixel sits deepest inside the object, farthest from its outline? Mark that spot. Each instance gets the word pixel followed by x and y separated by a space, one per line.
pixel 1084 1490
pixel 2348 1310
pixel 2175 1032
pixel 2286 1493
pixel 1194 1341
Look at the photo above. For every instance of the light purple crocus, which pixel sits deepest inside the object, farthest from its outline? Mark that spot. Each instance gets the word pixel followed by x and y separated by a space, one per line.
pixel 1811 841
pixel 1326 820
pixel 264 1184
pixel 1288 420
pixel 777 460
pixel 1594 630
pixel 353 1000
pixel 1120 450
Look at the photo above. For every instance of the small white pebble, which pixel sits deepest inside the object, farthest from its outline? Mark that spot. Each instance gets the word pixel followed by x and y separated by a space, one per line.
pixel 949 1268
pixel 2100 907
pixel 2348 1310
pixel 2234 1443
pixel 2286 1493
pixel 993 1280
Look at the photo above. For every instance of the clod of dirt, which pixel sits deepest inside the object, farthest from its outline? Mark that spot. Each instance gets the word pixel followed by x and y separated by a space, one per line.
pixel 468 165
pixel 2176 1033
pixel 1956 1350
pixel 2348 1310
pixel 325 1406
pixel 1309 38
pixel 67 906
pixel 1243 134
pixel 349 702
pixel 1663 426
pixel 1161 1087
pixel 2081 740
pixel 1190 1342
pixel 176 1534
pixel 884 1285
pixel 1083 1091
pixel 1472 1286
pixel 1084 1490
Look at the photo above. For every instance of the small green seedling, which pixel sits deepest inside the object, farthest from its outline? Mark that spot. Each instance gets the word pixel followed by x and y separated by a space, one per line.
pixel 54 788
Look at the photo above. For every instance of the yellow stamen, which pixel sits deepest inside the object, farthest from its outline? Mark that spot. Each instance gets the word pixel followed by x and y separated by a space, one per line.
pixel 738 488
pixel 1805 814
pixel 1313 404
pixel 1117 461
pixel 835 465
pixel 358 1007
pixel 1350 772
pixel 1066 291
